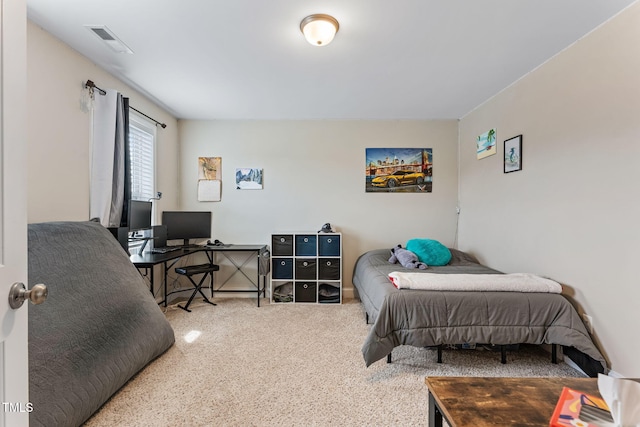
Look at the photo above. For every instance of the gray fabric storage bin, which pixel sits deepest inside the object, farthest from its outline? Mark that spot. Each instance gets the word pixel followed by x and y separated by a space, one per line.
pixel 329 268
pixel 305 292
pixel 306 269
pixel 282 245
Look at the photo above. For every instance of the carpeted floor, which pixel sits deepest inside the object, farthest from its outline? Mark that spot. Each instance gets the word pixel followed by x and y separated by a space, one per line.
pixel 292 365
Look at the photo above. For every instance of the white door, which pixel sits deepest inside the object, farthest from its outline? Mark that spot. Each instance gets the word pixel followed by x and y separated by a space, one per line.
pixel 14 368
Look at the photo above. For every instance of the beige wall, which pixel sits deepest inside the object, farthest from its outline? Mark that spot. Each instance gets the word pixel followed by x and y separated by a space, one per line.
pixel 314 173
pixel 59 131
pixel 572 212
pixel 313 170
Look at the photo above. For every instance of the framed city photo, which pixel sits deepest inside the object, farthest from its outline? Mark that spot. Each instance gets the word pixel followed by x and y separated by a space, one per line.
pixel 398 170
pixel 513 154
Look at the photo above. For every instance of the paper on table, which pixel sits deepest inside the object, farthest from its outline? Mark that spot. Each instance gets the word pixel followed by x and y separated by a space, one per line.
pixel 623 398
pixel 209 190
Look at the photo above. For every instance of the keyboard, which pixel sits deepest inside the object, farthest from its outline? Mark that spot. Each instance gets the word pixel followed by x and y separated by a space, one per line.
pixel 165 249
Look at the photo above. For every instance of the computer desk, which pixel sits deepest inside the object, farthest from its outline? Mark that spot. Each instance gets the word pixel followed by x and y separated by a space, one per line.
pixel 148 261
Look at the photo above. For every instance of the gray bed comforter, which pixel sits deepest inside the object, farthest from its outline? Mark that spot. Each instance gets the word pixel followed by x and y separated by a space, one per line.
pixel 99 326
pixel 430 318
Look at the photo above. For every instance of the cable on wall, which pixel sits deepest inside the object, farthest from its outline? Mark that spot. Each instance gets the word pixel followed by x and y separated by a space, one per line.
pixel 92 87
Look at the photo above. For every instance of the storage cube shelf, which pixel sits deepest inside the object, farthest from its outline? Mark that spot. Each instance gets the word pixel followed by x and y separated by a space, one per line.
pixel 306 268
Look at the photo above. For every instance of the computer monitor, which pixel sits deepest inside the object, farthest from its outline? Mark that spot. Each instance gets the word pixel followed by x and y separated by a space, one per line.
pixel 139 215
pixel 187 225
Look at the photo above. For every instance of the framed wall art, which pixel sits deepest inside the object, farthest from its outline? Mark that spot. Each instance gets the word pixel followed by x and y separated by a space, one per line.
pixel 486 144
pixel 513 154
pixel 209 167
pixel 399 170
pixel 209 179
pixel 248 179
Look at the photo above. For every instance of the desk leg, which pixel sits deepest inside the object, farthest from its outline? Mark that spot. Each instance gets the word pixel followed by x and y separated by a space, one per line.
pixel 212 260
pixel 264 287
pixel 258 276
pixel 146 273
pixel 164 282
pixel 435 416
pixel 211 281
pixel 151 283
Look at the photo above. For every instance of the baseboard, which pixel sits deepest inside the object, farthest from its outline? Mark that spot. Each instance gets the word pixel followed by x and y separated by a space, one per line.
pixel 347 293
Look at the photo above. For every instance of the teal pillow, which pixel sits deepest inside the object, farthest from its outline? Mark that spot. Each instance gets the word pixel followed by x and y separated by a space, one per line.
pixel 431 252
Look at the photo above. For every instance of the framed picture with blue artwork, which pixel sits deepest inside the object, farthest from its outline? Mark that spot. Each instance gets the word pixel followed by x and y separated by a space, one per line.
pixel 513 154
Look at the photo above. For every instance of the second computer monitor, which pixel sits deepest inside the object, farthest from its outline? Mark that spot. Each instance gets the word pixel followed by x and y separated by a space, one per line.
pixel 186 225
pixel 139 215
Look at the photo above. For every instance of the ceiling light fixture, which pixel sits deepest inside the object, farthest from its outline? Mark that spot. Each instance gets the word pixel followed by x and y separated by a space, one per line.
pixel 319 29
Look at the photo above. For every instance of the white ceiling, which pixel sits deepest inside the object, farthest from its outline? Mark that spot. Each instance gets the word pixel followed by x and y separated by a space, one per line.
pixel 247 59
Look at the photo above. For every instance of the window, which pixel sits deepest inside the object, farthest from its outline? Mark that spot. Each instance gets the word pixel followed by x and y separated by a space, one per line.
pixel 142 136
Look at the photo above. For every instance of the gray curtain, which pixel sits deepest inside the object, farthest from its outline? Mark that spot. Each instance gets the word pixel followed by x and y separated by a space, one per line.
pixel 121 191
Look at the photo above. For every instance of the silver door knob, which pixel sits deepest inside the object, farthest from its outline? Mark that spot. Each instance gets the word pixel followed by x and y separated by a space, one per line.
pixel 19 293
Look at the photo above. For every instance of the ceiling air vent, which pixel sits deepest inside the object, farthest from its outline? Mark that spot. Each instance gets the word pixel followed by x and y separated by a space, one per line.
pixel 107 36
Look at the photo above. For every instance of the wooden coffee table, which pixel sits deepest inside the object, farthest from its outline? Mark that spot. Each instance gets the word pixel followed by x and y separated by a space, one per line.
pixel 494 401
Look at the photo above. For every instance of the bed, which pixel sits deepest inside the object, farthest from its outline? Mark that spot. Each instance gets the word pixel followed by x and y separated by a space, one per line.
pixel 428 318
pixel 99 326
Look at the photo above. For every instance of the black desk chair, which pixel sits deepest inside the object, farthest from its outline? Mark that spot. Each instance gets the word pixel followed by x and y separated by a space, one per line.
pixel 189 271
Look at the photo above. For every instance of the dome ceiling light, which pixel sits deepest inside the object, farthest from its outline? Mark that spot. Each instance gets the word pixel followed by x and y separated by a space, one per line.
pixel 319 29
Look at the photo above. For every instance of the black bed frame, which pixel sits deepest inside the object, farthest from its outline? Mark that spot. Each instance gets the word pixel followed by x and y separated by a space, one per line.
pixel 503 350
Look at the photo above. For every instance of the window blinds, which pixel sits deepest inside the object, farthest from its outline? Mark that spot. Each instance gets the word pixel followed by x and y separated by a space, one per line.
pixel 141 154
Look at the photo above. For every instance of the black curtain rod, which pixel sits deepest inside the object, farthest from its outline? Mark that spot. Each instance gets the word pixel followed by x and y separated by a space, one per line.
pixel 162 125
pixel 91 85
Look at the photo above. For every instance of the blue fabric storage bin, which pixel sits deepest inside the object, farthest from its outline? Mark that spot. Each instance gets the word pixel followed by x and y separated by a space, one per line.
pixel 282 268
pixel 329 245
pixel 305 245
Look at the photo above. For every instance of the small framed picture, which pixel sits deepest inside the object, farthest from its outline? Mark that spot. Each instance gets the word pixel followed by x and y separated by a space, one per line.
pixel 513 154
pixel 486 144
pixel 248 179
